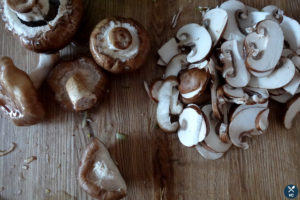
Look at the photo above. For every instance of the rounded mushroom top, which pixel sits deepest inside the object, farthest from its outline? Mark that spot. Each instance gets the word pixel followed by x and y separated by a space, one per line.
pixel 18 97
pixel 87 75
pixel 119 44
pixel 38 23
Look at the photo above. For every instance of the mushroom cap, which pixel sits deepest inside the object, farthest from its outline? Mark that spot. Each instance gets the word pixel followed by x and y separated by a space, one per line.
pixel 18 97
pixel 22 6
pixel 48 35
pixel 108 54
pixel 193 79
pixel 96 81
pixel 98 175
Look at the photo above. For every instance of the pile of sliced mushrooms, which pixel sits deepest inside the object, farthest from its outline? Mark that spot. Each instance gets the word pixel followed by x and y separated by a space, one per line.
pixel 221 73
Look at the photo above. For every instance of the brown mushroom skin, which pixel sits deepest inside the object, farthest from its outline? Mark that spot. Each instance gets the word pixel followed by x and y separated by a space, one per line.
pixel 64 70
pixel 116 66
pixel 26 109
pixel 88 186
pixel 58 36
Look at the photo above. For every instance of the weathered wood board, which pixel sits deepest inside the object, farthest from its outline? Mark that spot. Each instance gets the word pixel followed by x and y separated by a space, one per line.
pixel 154 165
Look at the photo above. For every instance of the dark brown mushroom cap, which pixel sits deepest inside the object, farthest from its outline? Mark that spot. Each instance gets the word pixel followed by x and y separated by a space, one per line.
pixel 18 97
pixel 92 76
pixel 88 180
pixel 57 37
pixel 116 65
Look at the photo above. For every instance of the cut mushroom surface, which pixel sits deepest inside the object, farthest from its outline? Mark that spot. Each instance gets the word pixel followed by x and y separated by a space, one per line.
pixel 198 39
pixel 293 108
pixel 168 50
pixel 165 100
pixel 119 44
pixel 154 88
pixel 41 25
pixel 193 126
pixel 98 174
pixel 78 84
pixel 264 47
pixel 18 96
pixel 176 64
pixel 208 154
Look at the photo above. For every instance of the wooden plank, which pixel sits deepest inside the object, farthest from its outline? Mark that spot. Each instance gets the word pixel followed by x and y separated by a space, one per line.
pixel 153 164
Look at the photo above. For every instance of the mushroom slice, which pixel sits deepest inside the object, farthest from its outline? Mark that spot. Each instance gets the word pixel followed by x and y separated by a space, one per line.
pixel 249 21
pixel 293 85
pixel 293 108
pixel 196 97
pixel 243 107
pixel 160 62
pixel 283 98
pixel 215 21
pixel 236 95
pixel 193 126
pixel 78 84
pixel 290 28
pixel 98 175
pixel 154 88
pixel 198 39
pixel 213 140
pixel 18 96
pixel 193 82
pixel 235 71
pixel 278 78
pixel 168 50
pixel 264 47
pixel 232 31
pixel 42 25
pixel 206 153
pixel 243 124
pixel 262 122
pixel 119 45
pixel 165 100
pixel 176 64
pixel 199 65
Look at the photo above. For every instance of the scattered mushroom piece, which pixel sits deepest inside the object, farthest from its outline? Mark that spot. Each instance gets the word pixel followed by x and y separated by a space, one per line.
pixel 264 47
pixel 165 102
pixel 215 21
pixel 293 108
pixel 278 78
pixel 119 45
pixel 235 71
pixel 232 31
pixel 193 126
pixel 40 25
pixel 98 174
pixel 213 140
pixel 154 88
pixel 168 50
pixel 283 98
pixel 176 64
pixel 10 149
pixel 207 153
pixel 198 39
pixel 73 90
pixel 18 96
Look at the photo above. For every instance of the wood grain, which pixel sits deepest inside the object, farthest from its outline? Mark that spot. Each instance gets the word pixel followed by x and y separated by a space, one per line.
pixel 154 165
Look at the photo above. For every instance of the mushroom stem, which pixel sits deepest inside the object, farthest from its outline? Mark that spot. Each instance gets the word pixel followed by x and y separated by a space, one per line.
pixel 46 63
pixel 80 96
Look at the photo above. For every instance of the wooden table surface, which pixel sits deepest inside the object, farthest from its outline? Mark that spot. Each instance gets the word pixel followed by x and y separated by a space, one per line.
pixel 155 165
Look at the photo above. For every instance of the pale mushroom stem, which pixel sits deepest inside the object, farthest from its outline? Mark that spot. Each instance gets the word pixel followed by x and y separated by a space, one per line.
pixel 46 63
pixel 81 97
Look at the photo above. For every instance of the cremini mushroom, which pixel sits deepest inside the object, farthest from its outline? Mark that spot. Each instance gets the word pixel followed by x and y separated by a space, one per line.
pixel 119 44
pixel 234 70
pixel 18 96
pixel 293 108
pixel 198 39
pixel 78 84
pixel 264 47
pixel 41 25
pixel 98 175
pixel 215 21
pixel 193 126
pixel 168 104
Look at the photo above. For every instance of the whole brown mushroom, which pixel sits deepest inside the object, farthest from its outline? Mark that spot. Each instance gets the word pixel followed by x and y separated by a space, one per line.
pixel 42 25
pixel 78 84
pixel 18 96
pixel 119 45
